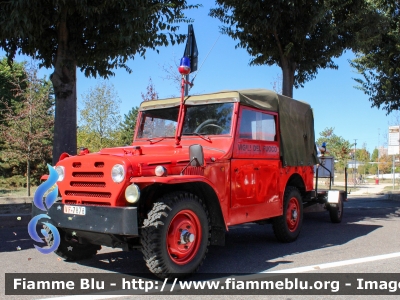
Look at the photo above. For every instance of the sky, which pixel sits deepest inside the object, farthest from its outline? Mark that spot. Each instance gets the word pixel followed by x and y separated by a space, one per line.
pixel 332 95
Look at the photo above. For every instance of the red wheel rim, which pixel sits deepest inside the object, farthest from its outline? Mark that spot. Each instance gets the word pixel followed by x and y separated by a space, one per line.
pixel 292 214
pixel 183 237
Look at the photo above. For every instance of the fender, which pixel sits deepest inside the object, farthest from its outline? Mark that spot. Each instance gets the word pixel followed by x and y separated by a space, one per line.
pixel 177 179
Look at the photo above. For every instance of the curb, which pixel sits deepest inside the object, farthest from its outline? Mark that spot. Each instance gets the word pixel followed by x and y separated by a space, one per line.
pixel 15 200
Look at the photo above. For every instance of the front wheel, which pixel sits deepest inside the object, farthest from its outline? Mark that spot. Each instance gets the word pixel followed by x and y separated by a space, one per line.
pixel 287 227
pixel 175 235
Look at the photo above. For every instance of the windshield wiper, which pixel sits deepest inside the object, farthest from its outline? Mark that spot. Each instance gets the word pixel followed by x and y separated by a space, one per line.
pixel 204 137
pixel 160 138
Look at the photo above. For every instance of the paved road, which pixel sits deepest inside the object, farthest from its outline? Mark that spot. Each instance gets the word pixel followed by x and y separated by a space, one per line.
pixel 370 228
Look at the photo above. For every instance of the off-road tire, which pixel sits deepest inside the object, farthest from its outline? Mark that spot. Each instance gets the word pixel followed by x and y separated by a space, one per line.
pixel 77 252
pixel 286 228
pixel 158 237
pixel 336 213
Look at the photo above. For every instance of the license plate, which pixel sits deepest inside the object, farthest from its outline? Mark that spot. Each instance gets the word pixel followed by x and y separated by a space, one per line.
pixel 74 210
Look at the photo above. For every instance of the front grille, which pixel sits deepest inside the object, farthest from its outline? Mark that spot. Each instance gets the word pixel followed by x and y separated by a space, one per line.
pixel 88 184
pixel 96 203
pixel 88 203
pixel 88 174
pixel 88 194
pixel 194 171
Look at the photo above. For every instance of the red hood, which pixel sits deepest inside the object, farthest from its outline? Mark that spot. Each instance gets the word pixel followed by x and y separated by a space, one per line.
pixel 151 154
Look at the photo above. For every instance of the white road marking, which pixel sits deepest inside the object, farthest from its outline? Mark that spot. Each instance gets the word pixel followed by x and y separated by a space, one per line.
pixel 292 270
pixel 336 264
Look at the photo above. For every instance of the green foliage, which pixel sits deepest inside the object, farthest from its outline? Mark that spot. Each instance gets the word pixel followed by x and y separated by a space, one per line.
pixel 337 146
pixel 101 35
pixel 26 127
pixel 375 154
pixel 378 59
pixel 363 155
pixel 9 74
pixel 299 36
pixel 8 97
pixel 94 36
pixel 127 127
pixel 385 165
pixel 99 118
pixel 372 169
pixel 13 182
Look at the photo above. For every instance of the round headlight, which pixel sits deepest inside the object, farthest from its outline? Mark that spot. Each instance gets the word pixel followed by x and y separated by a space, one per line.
pixel 132 193
pixel 160 171
pixel 118 173
pixel 61 172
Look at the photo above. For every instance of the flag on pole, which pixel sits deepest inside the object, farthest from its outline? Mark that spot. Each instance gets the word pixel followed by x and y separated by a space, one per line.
pixel 191 50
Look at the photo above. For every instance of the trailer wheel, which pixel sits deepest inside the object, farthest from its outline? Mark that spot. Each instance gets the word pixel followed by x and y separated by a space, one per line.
pixel 287 227
pixel 70 250
pixel 175 236
pixel 336 212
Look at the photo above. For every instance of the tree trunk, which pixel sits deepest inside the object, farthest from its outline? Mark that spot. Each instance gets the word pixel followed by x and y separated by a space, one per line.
pixel 64 84
pixel 28 177
pixel 288 69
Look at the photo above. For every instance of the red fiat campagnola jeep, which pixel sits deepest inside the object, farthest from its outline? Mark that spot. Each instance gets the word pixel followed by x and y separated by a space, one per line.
pixel 194 169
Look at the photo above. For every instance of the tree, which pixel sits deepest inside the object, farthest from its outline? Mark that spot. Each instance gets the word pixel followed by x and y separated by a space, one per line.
pixel 277 84
pixel 128 126
pixel 170 73
pixel 375 154
pixel 99 118
pixel 8 76
pixel 153 127
pixel 151 93
pixel 337 146
pixel 27 128
pixel 8 98
pixel 95 36
pixel 378 59
pixel 385 164
pixel 299 36
pixel 362 155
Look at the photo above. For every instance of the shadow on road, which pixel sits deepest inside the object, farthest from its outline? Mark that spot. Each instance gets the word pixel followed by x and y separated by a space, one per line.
pixel 249 248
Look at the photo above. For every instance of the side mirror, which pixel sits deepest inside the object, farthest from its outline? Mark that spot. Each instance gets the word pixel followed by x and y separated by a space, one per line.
pixel 196 155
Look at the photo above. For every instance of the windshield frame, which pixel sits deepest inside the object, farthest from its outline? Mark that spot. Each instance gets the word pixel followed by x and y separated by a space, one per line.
pixel 140 123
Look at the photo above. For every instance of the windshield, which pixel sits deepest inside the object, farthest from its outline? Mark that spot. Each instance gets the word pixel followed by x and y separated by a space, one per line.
pixel 210 119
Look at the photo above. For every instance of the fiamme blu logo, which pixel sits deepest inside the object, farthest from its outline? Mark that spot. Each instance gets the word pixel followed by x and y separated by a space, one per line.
pixel 54 242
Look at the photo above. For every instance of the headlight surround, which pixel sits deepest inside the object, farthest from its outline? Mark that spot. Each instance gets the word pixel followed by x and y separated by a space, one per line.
pixel 118 173
pixel 132 193
pixel 61 172
pixel 160 171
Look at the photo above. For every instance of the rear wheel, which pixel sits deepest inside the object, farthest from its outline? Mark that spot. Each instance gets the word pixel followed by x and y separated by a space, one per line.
pixel 175 235
pixel 287 227
pixel 336 212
